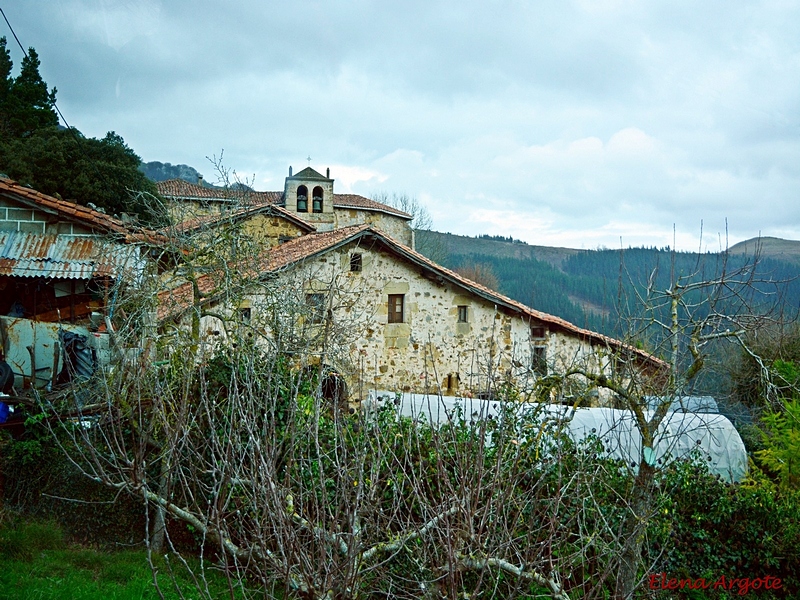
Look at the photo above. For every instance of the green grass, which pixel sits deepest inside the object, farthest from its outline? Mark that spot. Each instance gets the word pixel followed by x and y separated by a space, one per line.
pixel 37 564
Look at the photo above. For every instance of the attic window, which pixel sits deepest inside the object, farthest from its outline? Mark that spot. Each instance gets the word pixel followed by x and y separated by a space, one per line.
pixel 355 263
pixel 538 332
pixel 302 199
pixel 317 200
pixel 396 305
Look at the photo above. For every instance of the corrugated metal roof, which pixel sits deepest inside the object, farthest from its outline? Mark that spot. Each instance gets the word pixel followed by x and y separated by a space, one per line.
pixel 63 256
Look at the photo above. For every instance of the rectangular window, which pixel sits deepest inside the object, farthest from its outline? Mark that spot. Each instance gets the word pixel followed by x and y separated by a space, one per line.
pixel 245 314
pixel 355 263
pixel 538 332
pixel 396 302
pixel 462 314
pixel 315 303
pixel 539 360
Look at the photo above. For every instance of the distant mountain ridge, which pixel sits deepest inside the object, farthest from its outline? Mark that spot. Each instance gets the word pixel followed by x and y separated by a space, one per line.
pixel 587 287
pixel 465 245
pixel 769 247
pixel 158 171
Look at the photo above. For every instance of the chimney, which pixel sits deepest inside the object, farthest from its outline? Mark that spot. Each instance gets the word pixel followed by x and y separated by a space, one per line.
pixel 199 180
pixel 328 173
pixel 290 170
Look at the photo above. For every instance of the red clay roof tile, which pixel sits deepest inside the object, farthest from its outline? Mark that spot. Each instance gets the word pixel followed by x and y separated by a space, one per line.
pixel 305 247
pixel 84 215
pixel 178 188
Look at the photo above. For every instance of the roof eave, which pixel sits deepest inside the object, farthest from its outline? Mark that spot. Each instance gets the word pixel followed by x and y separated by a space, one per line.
pixel 397 214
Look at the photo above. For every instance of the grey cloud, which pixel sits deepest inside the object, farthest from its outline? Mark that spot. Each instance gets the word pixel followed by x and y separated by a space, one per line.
pixel 507 107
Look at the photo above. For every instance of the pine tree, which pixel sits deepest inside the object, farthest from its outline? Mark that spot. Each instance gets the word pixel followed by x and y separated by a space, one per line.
pixel 26 105
pixel 53 160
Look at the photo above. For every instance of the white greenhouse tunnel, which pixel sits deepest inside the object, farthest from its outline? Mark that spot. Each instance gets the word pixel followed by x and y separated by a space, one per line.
pixel 681 435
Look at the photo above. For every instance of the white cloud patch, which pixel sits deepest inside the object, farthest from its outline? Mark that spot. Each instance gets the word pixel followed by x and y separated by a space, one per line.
pixel 348 176
pixel 113 22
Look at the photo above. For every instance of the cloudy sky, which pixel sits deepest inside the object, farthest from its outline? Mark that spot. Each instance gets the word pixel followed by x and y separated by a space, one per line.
pixel 578 123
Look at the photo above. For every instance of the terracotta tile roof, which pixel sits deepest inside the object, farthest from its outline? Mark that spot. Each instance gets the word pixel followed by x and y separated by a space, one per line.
pixel 180 298
pixel 245 211
pixel 359 202
pixel 71 211
pixel 178 188
pixel 305 247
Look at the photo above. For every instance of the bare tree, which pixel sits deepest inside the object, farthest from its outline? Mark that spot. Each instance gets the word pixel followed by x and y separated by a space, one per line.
pixel 481 273
pixel 228 421
pixel 687 323
pixel 220 413
pixel 433 247
pixel 286 488
pixel 408 204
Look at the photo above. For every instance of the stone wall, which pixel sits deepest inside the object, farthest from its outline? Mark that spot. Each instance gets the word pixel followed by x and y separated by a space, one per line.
pixel 270 230
pixel 396 227
pixel 430 351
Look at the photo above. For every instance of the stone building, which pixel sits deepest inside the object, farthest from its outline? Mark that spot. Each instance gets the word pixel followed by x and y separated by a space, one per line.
pixel 411 325
pixel 390 318
pixel 308 195
pixel 338 270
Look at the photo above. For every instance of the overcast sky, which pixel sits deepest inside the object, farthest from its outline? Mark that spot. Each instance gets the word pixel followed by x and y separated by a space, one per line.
pixel 575 123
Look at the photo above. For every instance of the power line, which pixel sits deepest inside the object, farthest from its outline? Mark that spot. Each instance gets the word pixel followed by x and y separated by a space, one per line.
pixel 21 47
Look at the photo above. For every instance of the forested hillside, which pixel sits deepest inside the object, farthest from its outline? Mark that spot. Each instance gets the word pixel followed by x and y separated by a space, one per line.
pixel 596 289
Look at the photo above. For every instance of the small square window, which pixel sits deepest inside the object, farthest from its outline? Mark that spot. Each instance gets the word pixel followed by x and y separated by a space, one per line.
pixel 244 314
pixel 315 303
pixel 538 332
pixel 462 314
pixel 539 360
pixel 356 263
pixel 396 302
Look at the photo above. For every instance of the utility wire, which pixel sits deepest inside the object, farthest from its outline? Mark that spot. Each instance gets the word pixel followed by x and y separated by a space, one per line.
pixel 21 47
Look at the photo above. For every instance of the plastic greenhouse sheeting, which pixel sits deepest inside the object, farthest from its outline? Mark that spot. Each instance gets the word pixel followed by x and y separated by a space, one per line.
pixel 710 437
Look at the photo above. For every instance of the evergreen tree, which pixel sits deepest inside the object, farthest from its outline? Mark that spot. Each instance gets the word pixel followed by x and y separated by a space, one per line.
pixel 6 81
pixel 26 105
pixel 53 160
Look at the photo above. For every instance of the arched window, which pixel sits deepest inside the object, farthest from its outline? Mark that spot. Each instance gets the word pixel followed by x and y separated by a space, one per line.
pixel 302 199
pixel 317 200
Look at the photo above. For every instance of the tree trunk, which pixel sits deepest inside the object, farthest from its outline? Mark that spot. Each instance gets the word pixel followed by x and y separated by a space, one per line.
pixel 633 532
pixel 160 523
